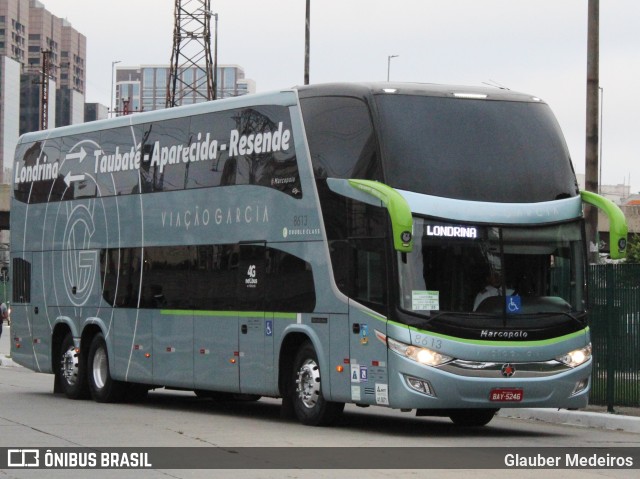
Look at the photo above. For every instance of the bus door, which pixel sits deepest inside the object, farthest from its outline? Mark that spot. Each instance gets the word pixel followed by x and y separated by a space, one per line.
pixel 253 331
pixel 368 355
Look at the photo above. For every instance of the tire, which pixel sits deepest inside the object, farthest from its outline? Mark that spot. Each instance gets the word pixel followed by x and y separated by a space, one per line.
pixel 102 387
pixel 472 417
pixel 309 405
pixel 70 370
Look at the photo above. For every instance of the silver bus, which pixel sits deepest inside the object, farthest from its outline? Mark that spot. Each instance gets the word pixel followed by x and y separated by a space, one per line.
pixel 418 247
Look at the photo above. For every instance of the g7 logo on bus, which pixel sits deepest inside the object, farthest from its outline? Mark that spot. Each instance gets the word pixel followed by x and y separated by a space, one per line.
pixel 79 264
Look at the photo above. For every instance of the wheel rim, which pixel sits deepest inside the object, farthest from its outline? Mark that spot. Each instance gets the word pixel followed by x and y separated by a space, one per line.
pixel 100 368
pixel 308 383
pixel 69 366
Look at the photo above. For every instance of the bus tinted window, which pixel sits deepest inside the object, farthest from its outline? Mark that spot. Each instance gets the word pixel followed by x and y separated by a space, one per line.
pixel 21 281
pixel 290 286
pixel 220 277
pixel 165 140
pixel 356 233
pixel 118 147
pixel 120 269
pixel 341 138
pixel 246 146
pixel 203 173
pixel 509 151
pixel 39 176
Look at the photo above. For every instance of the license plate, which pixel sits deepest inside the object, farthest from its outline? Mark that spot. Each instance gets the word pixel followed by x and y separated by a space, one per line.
pixel 506 395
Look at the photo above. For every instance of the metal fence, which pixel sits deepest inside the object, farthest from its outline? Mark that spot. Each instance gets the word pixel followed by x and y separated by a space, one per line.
pixel 614 303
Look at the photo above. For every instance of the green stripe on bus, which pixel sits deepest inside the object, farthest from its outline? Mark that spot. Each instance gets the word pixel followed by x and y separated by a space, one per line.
pixel 522 344
pixel 227 314
pixel 484 342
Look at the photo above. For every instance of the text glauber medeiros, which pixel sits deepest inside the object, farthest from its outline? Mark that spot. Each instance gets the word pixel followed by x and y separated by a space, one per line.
pixel 203 149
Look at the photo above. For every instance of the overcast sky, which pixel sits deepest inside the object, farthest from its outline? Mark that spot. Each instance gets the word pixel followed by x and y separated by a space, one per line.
pixel 533 46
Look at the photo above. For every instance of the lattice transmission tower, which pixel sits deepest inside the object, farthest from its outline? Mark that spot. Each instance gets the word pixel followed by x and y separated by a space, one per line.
pixel 191 52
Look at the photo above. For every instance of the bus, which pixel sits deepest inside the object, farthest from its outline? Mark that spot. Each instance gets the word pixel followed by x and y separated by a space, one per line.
pixel 323 244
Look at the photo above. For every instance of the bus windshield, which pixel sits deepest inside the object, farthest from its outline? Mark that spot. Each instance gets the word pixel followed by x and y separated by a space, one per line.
pixel 509 151
pixel 493 270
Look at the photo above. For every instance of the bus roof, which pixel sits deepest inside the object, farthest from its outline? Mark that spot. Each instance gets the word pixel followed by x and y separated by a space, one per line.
pixel 285 97
pixel 423 89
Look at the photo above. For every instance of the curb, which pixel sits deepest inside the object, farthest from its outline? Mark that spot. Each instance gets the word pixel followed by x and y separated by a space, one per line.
pixel 576 418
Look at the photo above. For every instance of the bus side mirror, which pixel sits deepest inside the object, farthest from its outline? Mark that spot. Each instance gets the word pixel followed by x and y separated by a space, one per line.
pixel 379 194
pixel 617 222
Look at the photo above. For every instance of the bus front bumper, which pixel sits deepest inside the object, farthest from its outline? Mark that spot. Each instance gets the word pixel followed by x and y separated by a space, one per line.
pixel 414 386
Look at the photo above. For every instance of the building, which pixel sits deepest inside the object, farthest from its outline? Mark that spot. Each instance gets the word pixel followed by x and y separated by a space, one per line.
pixel 14 20
pixel 29 33
pixel 144 88
pixel 616 193
pixel 66 50
pixel 95 111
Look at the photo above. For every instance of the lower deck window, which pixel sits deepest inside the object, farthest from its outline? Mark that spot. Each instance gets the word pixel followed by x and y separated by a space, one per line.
pixel 248 277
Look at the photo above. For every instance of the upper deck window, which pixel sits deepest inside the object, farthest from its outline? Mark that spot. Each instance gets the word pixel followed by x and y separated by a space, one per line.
pixel 479 150
pixel 243 146
pixel 341 138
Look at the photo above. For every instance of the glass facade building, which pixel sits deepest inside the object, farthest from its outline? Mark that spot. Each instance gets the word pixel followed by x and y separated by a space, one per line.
pixel 144 88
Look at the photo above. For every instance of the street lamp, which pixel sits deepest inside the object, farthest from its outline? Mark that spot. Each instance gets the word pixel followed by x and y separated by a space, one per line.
pixel 113 64
pixel 389 64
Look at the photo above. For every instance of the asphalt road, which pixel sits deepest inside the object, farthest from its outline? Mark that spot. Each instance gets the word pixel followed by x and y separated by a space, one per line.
pixel 32 416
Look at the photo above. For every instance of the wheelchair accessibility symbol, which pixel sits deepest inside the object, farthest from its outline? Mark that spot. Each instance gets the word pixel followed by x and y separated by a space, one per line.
pixel 514 304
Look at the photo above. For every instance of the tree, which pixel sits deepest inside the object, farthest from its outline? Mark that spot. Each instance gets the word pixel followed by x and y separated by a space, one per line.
pixel 633 249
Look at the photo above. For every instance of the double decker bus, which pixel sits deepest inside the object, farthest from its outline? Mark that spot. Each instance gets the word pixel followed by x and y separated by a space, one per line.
pixel 411 246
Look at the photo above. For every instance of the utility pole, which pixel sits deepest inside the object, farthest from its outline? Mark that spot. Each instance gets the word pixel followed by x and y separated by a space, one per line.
pixel 44 90
pixel 191 52
pixel 307 41
pixel 592 136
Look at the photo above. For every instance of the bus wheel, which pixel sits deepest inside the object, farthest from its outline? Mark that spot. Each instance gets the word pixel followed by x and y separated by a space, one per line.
pixel 472 417
pixel 70 375
pixel 309 405
pixel 103 388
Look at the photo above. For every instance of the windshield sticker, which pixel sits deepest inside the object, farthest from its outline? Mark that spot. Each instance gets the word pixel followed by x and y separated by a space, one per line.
pixel 425 300
pixel 514 304
pixel 382 394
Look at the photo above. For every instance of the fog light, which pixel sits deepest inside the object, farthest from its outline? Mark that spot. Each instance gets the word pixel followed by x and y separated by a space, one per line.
pixel 580 386
pixel 420 385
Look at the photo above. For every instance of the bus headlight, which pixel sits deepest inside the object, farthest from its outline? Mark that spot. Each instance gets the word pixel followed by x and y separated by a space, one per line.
pixel 576 357
pixel 418 354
